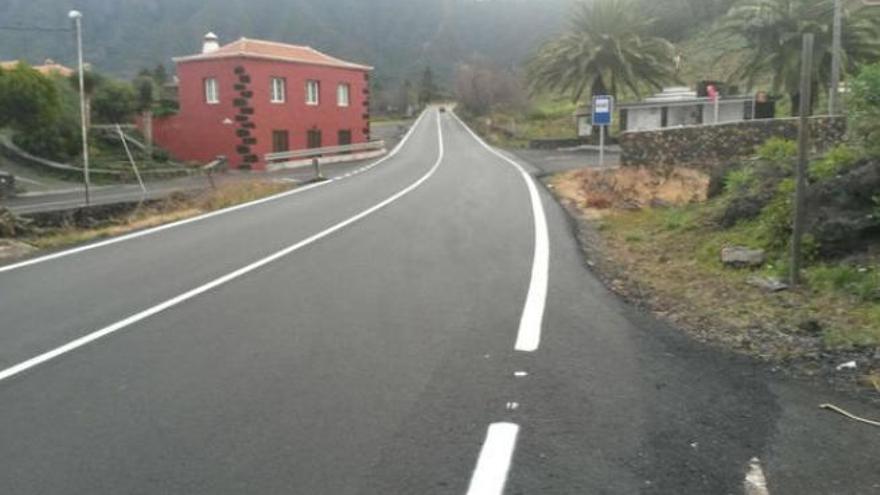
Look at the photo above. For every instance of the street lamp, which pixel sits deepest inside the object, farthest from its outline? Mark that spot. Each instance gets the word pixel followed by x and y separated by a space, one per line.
pixel 76 17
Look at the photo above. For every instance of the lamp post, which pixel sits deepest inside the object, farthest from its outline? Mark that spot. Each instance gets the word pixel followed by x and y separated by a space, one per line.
pixel 76 17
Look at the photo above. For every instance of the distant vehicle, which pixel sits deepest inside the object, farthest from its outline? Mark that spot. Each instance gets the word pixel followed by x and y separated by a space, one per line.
pixel 442 109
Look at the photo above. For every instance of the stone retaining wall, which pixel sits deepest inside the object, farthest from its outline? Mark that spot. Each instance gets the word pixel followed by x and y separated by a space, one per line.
pixel 708 147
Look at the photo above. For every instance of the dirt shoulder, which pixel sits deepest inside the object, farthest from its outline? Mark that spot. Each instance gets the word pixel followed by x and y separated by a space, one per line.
pixel 643 236
pixel 22 237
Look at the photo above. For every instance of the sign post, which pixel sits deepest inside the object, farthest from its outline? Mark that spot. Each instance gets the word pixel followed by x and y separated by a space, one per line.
pixel 603 110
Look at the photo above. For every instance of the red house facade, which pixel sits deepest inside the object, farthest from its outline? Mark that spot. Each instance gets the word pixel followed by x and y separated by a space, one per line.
pixel 250 98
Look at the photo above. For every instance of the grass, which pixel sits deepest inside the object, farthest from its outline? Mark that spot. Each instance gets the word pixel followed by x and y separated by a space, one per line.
pixel 545 117
pixel 177 207
pixel 844 299
pixel 674 253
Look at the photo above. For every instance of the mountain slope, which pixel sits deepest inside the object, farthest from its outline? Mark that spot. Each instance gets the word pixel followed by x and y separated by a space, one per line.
pixel 399 37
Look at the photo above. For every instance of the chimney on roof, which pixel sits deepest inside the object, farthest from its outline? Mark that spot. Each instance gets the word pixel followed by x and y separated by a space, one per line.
pixel 211 43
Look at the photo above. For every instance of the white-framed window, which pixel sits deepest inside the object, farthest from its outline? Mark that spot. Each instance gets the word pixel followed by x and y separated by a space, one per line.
pixel 212 91
pixel 343 95
pixel 279 90
pixel 313 92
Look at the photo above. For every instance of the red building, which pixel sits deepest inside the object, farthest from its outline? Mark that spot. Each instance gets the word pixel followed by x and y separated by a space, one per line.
pixel 249 98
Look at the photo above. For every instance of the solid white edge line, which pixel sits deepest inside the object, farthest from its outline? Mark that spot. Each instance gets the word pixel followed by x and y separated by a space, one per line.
pixel 180 223
pixel 529 335
pixel 87 339
pixel 490 475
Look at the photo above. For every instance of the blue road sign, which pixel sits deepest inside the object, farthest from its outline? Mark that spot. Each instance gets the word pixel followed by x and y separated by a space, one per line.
pixel 603 109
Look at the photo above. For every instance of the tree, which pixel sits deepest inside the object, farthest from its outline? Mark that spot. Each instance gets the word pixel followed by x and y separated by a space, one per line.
pixel 91 82
pixel 607 45
pixel 428 91
pixel 28 99
pixel 145 99
pixel 115 102
pixel 404 98
pixel 160 75
pixel 481 86
pixel 771 31
pixel 864 109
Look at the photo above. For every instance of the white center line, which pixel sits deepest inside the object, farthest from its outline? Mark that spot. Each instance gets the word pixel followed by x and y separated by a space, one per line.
pixel 529 335
pixel 755 482
pixel 82 341
pixel 490 475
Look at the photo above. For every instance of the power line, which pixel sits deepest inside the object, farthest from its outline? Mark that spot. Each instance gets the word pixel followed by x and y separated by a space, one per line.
pixel 35 28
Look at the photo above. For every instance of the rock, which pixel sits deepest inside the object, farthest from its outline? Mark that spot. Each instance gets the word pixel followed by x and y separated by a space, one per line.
pixel 742 257
pixel 811 327
pixel 769 284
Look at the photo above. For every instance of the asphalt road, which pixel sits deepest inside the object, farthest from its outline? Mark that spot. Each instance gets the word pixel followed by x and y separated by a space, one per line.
pixel 359 336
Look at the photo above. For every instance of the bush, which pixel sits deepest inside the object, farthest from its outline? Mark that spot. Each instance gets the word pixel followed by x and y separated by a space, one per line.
pixel 775 220
pixel 739 181
pixel 837 161
pixel 779 151
pixel 864 109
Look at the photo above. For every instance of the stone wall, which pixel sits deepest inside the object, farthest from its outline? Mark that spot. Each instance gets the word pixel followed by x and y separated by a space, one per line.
pixel 707 147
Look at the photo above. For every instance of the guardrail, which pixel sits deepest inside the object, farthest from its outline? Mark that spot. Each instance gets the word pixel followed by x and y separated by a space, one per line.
pixel 315 157
pixel 7 185
pixel 328 150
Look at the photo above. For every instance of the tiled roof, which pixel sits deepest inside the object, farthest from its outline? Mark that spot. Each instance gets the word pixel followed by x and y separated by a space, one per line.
pixel 46 69
pixel 271 50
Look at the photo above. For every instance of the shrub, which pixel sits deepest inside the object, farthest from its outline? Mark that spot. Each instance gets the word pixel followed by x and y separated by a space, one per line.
pixel 739 181
pixel 775 221
pixel 779 151
pixel 835 162
pixel 864 109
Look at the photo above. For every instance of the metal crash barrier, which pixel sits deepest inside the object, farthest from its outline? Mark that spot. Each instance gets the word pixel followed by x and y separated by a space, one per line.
pixel 315 157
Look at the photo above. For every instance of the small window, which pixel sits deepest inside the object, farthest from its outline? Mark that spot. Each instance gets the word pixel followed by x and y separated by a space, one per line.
pixel 313 93
pixel 279 90
pixel 343 95
pixel 344 137
pixel 314 139
pixel 280 141
pixel 212 91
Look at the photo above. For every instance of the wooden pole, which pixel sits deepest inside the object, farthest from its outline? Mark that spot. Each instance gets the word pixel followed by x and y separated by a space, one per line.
pixel 836 55
pixel 803 159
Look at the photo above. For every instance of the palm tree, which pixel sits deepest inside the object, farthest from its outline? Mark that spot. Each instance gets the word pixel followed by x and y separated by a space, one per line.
pixel 607 45
pixel 771 31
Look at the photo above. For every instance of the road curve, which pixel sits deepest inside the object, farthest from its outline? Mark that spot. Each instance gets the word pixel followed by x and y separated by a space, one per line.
pixel 360 338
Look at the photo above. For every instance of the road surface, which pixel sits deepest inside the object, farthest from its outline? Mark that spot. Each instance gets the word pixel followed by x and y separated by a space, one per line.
pixel 360 337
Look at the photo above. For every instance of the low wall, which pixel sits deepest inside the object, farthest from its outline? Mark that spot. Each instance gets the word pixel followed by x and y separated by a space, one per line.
pixel 707 147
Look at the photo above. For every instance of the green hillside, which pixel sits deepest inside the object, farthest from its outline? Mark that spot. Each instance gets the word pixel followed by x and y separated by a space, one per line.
pixel 399 37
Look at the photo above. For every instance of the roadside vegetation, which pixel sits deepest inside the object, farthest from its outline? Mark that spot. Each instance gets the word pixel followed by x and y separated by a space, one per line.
pixel 631 48
pixel 665 249
pixel 28 236
pixel 41 113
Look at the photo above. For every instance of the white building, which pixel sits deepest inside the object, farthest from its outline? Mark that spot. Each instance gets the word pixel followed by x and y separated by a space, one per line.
pixel 677 107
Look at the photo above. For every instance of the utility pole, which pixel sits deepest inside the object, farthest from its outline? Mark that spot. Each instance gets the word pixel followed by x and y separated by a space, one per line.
pixel 803 158
pixel 836 55
pixel 76 16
